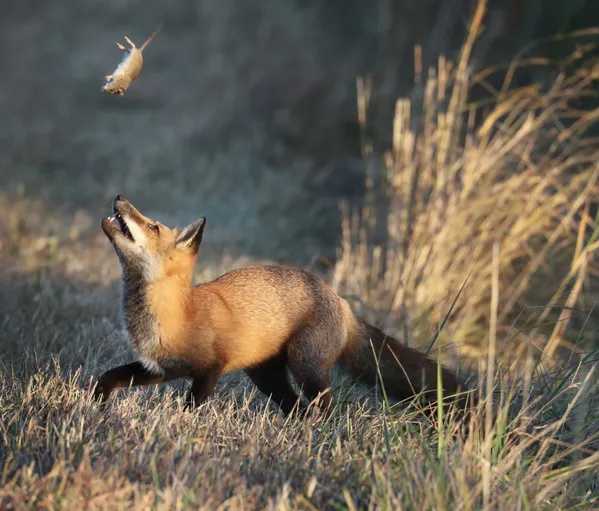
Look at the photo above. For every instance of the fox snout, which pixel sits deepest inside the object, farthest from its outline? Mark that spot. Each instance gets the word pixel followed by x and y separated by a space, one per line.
pixel 119 203
pixel 118 223
pixel 128 230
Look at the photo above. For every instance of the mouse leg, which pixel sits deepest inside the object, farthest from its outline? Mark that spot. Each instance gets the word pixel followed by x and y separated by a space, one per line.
pixel 121 47
pixel 130 42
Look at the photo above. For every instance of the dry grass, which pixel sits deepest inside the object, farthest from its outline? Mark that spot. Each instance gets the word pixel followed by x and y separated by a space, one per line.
pixel 452 188
pixel 505 203
pixel 60 452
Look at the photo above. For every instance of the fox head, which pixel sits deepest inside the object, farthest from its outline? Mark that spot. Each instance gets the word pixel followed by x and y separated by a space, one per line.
pixel 149 248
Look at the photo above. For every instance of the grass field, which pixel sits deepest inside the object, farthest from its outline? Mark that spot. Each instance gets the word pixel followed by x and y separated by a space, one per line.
pixel 480 236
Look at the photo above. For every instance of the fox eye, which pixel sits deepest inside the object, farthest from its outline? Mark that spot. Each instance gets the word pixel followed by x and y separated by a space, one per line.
pixel 155 228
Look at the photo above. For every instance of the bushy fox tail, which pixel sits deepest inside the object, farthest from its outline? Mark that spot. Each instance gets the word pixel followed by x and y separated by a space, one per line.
pixel 371 356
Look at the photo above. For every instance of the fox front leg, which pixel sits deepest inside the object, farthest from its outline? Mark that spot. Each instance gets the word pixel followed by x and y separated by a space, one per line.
pixel 134 374
pixel 202 387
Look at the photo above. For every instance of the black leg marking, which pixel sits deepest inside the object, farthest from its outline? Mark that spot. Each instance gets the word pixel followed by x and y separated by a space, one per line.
pixel 271 379
pixel 202 387
pixel 318 387
pixel 134 374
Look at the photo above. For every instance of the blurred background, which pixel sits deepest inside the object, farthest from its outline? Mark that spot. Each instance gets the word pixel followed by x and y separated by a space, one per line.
pixel 263 116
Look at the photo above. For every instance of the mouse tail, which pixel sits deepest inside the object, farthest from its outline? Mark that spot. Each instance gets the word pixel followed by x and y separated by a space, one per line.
pixel 149 40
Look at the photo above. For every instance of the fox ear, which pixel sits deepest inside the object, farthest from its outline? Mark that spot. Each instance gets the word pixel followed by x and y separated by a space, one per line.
pixel 191 236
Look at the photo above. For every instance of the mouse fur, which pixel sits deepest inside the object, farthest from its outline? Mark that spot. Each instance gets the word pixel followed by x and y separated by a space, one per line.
pixel 128 69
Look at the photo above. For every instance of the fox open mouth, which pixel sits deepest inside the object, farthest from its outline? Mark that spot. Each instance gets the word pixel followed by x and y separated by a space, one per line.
pixel 115 222
pixel 123 225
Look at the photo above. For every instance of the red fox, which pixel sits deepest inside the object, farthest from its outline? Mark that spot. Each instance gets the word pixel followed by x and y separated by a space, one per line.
pixel 262 320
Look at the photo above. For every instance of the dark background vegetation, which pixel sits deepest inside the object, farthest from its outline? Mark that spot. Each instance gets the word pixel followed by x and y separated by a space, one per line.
pixel 244 111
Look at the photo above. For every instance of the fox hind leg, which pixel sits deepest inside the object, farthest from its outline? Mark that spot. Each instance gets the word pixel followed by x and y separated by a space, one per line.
pixel 316 387
pixel 312 354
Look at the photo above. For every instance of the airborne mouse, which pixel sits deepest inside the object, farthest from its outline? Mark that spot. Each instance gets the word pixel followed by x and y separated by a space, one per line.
pixel 129 68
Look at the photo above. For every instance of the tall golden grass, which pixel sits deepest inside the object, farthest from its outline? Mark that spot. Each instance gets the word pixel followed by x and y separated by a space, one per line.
pixel 519 172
